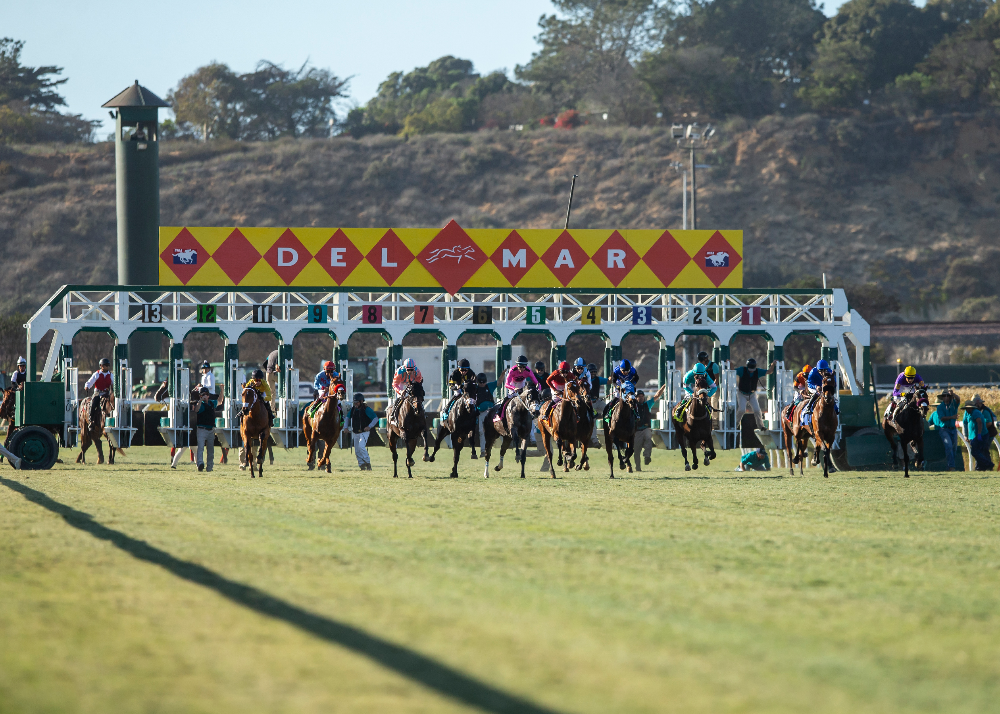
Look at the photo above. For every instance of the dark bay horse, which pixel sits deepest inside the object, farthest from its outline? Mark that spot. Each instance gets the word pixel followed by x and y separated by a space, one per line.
pixel 254 425
pixel 561 425
pixel 513 428
pixel 825 422
pixel 326 424
pixel 460 422
pixel 410 423
pixel 910 418
pixel 619 429
pixel 696 429
pixel 92 413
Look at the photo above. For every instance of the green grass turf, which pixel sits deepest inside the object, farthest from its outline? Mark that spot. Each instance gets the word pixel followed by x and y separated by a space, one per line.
pixel 709 591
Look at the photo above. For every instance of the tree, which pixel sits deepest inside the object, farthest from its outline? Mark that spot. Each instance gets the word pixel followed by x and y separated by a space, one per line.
pixel 212 99
pixel 402 95
pixel 588 51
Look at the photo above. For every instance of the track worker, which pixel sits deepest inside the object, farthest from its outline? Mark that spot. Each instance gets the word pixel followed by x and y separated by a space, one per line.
pixel 746 390
pixel 406 374
pixel 208 378
pixel 977 434
pixel 205 423
pixel 907 381
pixel 541 374
pixel 643 440
pixel 484 402
pixel 690 380
pixel 20 374
pixel 755 460
pixel 944 416
pixel 362 419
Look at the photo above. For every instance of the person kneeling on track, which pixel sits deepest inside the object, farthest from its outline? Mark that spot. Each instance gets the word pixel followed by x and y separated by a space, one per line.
pixel 406 374
pixel 756 460
pixel 362 419
pixel 690 380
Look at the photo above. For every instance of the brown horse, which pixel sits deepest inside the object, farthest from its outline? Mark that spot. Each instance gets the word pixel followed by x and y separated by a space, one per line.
pixel 254 425
pixel 825 422
pixel 797 433
pixel 409 424
pixel 7 407
pixel 561 425
pixel 619 428
pixel 697 426
pixel 460 422
pixel 326 425
pixel 93 411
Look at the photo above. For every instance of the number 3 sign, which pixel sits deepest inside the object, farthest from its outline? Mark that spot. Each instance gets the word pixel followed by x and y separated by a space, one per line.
pixel 642 315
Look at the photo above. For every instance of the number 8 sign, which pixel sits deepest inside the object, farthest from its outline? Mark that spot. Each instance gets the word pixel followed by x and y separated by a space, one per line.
pixel 642 315
pixel 371 314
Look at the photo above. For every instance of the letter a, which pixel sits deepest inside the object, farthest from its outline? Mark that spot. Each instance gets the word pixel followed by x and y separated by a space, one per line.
pixel 564 259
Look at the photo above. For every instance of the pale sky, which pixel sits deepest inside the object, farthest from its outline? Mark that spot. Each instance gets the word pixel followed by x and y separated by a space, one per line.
pixel 104 46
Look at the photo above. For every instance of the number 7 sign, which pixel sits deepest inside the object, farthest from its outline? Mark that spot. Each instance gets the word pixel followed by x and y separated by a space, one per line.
pixel 423 315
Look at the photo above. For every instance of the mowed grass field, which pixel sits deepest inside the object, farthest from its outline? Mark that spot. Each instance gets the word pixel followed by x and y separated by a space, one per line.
pixel 135 588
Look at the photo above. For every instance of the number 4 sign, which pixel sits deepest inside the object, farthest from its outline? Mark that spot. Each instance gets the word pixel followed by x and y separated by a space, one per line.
pixel 750 315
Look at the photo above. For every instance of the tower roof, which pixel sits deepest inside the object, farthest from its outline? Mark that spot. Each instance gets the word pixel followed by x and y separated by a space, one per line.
pixel 135 96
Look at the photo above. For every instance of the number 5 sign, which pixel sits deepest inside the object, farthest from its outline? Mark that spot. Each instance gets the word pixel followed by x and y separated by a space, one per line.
pixel 536 315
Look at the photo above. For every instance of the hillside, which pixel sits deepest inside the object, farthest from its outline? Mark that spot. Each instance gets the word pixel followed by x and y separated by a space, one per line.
pixel 892 202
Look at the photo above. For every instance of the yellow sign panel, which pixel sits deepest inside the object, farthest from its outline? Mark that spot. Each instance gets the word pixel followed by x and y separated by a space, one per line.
pixel 451 259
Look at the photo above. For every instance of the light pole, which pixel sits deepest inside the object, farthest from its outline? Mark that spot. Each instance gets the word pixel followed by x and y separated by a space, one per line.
pixel 678 166
pixel 696 139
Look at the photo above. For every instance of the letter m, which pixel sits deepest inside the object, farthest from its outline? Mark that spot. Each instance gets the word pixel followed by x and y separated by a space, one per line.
pixel 511 260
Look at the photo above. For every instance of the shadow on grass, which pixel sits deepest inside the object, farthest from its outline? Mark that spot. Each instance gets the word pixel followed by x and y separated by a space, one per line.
pixel 417 667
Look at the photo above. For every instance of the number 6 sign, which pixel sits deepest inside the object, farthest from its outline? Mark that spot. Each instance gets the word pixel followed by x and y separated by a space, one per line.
pixel 371 314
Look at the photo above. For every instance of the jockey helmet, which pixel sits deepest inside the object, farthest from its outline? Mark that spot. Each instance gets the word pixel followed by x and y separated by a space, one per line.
pixel 539 366
pixel 751 363
pixel 703 356
pixel 592 368
pixel 409 363
pixel 206 365
pixel 359 397
pixel 823 366
pixel 329 366
pixel 628 388
pixel 258 374
pixel 481 378
pixel 910 371
pixel 522 361
pixel 579 362
pixel 624 366
pixel 21 360
pixel 105 362
pixel 700 369
pixel 464 364
pixel 563 366
pixel 806 368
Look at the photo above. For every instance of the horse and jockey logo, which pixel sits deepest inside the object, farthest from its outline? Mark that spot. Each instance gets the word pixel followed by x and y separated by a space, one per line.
pixel 457 252
pixel 719 259
pixel 185 256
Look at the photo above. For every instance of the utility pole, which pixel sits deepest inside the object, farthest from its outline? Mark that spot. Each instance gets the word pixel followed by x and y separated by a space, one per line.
pixel 694 193
pixel 569 206
pixel 697 140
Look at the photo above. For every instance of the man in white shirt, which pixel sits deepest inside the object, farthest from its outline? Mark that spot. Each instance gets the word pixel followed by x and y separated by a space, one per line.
pixel 208 378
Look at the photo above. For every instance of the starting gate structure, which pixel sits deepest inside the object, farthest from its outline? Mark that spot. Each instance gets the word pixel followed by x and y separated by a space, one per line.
pixel 613 316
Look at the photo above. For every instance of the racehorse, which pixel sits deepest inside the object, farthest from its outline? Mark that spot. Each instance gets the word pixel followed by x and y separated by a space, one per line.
pixel 254 424
pixel 93 411
pixel 326 424
pixel 619 428
pixel 910 417
pixel 514 427
pixel 460 422
pixel 697 427
pixel 409 424
pixel 825 422
pixel 7 406
pixel 561 424
pixel 584 427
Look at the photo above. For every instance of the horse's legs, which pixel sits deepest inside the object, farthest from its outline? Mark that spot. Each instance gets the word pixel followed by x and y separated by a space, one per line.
pixel 608 445
pixel 307 430
pixel 682 442
pixel 100 450
pixel 325 461
pixel 524 453
pixel 584 459
pixel 906 458
pixel 392 448
pixel 629 453
pixel 456 453
pixel 427 440
pixel 84 445
pixel 504 445
pixel 547 445
pixel 411 446
pixel 111 452
pixel 442 433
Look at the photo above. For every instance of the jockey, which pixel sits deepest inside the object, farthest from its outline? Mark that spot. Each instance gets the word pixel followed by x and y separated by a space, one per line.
pixel 814 383
pixel 700 371
pixel 468 376
pixel 622 377
pixel 485 391
pixel 102 380
pixel 582 374
pixel 406 374
pixel 800 384
pixel 20 375
pixel 557 382
pixel 518 376
pixel 258 382
pixel 908 381
pixel 326 382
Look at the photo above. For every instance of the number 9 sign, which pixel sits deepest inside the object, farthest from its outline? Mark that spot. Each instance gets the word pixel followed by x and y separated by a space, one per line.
pixel 317 314
pixel 642 315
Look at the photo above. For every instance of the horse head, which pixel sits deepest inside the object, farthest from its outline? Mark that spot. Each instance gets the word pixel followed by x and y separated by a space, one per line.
pixel 922 402
pixel 531 399
pixel 829 389
pixel 248 396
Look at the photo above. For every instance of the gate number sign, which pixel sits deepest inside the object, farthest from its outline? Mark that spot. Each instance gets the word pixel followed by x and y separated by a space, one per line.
pixel 262 314
pixel 642 315
pixel 750 315
pixel 482 315
pixel 371 314
pixel 423 315
pixel 590 315
pixel 206 313
pixel 536 315
pixel 152 313
pixel 696 315
pixel 317 314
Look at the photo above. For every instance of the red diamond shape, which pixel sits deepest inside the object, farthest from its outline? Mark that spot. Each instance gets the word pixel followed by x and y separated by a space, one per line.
pixel 565 258
pixel 287 256
pixel 717 258
pixel 185 247
pixel 390 257
pixel 452 257
pixel 236 256
pixel 615 258
pixel 666 258
pixel 339 257
pixel 514 257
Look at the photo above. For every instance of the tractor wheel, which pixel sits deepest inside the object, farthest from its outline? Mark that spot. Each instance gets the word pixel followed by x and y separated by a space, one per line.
pixel 35 446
